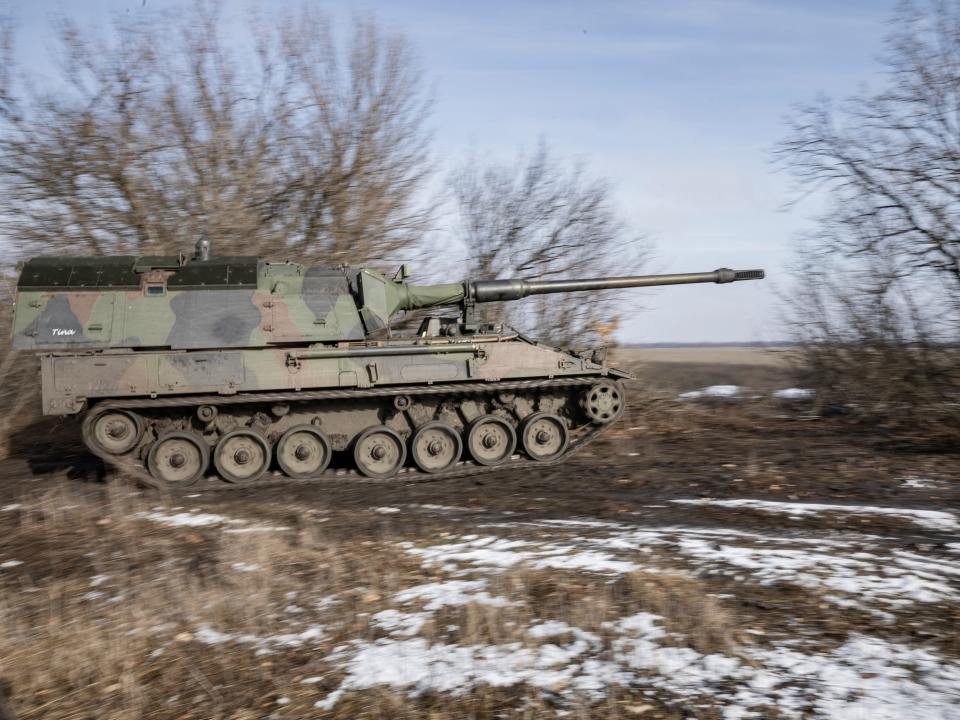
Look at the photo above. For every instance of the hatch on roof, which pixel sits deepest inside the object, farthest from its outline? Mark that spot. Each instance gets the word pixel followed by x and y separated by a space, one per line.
pixel 77 273
pixel 226 271
pixel 123 272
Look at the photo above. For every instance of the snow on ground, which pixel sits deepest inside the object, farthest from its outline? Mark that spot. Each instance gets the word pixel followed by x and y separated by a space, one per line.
pixel 713 391
pixel 184 519
pixel 863 677
pixel 195 518
pixel 850 571
pixel 920 483
pixel 452 592
pixel 843 678
pixel 490 552
pixel 6 564
pixel 860 677
pixel 266 644
pixel 736 391
pixel 793 394
pixel 930 519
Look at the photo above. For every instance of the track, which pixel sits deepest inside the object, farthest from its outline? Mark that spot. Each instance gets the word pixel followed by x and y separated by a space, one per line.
pixel 133 466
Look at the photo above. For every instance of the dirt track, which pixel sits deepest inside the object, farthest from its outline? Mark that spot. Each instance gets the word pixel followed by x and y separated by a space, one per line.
pixel 818 545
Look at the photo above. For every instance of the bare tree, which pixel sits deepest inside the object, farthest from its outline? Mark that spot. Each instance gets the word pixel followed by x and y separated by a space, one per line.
pixel 878 298
pixel 536 218
pixel 869 343
pixel 891 159
pixel 161 132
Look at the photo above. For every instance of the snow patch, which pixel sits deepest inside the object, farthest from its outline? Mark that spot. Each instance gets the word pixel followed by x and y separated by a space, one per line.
pixel 6 564
pixel 712 391
pixel 400 623
pixel 931 519
pixel 419 667
pixel 589 560
pixel 864 677
pixel 183 519
pixel 919 483
pixel 209 636
pixel 451 592
pixel 794 394
pixel 866 578
pixel 492 553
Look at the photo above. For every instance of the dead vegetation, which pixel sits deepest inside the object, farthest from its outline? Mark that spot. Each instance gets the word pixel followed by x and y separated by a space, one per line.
pixel 875 309
pixel 118 612
pixel 115 615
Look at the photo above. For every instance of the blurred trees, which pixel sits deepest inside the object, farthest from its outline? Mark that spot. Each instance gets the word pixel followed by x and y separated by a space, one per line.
pixel 878 297
pixel 283 142
pixel 162 132
pixel 536 218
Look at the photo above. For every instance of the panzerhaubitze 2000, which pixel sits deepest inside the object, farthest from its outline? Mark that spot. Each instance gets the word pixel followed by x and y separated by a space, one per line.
pixel 176 361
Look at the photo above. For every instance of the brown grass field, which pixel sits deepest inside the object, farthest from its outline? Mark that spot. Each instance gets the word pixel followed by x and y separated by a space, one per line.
pixel 714 558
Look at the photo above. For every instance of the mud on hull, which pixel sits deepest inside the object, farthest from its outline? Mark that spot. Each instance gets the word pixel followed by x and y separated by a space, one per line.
pixel 428 431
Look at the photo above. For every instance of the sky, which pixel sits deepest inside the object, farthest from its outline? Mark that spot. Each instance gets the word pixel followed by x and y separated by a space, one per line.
pixel 678 103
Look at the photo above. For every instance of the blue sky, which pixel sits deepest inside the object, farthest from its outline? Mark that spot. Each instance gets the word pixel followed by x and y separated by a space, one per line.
pixel 677 102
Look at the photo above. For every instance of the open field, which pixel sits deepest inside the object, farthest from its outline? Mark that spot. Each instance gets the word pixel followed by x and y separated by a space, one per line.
pixel 720 557
pixel 714 354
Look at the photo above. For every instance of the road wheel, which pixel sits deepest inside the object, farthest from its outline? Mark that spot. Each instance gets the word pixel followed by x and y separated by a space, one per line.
pixel 303 452
pixel 179 457
pixel 242 456
pixel 379 452
pixel 603 402
pixel 436 447
pixel 491 440
pixel 544 436
pixel 114 432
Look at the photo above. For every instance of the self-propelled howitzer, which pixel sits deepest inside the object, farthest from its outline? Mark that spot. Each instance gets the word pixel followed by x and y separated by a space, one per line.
pixel 227 365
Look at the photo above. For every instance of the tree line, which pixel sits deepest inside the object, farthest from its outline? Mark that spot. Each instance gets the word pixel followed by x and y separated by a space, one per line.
pixel 297 142
pixel 876 309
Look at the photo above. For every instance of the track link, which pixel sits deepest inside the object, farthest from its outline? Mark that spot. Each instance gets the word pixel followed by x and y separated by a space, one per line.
pixel 135 468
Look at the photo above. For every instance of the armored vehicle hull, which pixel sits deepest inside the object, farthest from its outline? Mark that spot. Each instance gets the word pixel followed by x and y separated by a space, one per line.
pixel 235 367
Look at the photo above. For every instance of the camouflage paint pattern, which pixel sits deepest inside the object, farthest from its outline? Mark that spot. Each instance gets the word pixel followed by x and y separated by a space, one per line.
pixel 155 326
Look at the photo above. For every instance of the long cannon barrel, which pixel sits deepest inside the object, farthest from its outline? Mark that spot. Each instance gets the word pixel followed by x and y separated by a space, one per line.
pixel 493 290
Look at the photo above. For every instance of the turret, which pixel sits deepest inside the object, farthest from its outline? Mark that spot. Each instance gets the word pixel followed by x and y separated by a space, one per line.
pixel 209 302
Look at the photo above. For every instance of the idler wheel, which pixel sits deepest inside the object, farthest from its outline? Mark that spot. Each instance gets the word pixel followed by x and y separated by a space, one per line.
pixel 436 447
pixel 491 440
pixel 603 402
pixel 303 452
pixel 242 456
pixel 379 452
pixel 544 436
pixel 179 457
pixel 114 432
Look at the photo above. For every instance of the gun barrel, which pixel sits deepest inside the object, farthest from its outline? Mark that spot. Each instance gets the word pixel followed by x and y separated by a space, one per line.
pixel 493 290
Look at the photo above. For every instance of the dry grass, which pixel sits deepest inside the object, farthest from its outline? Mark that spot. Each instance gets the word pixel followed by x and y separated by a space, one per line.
pixel 107 616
